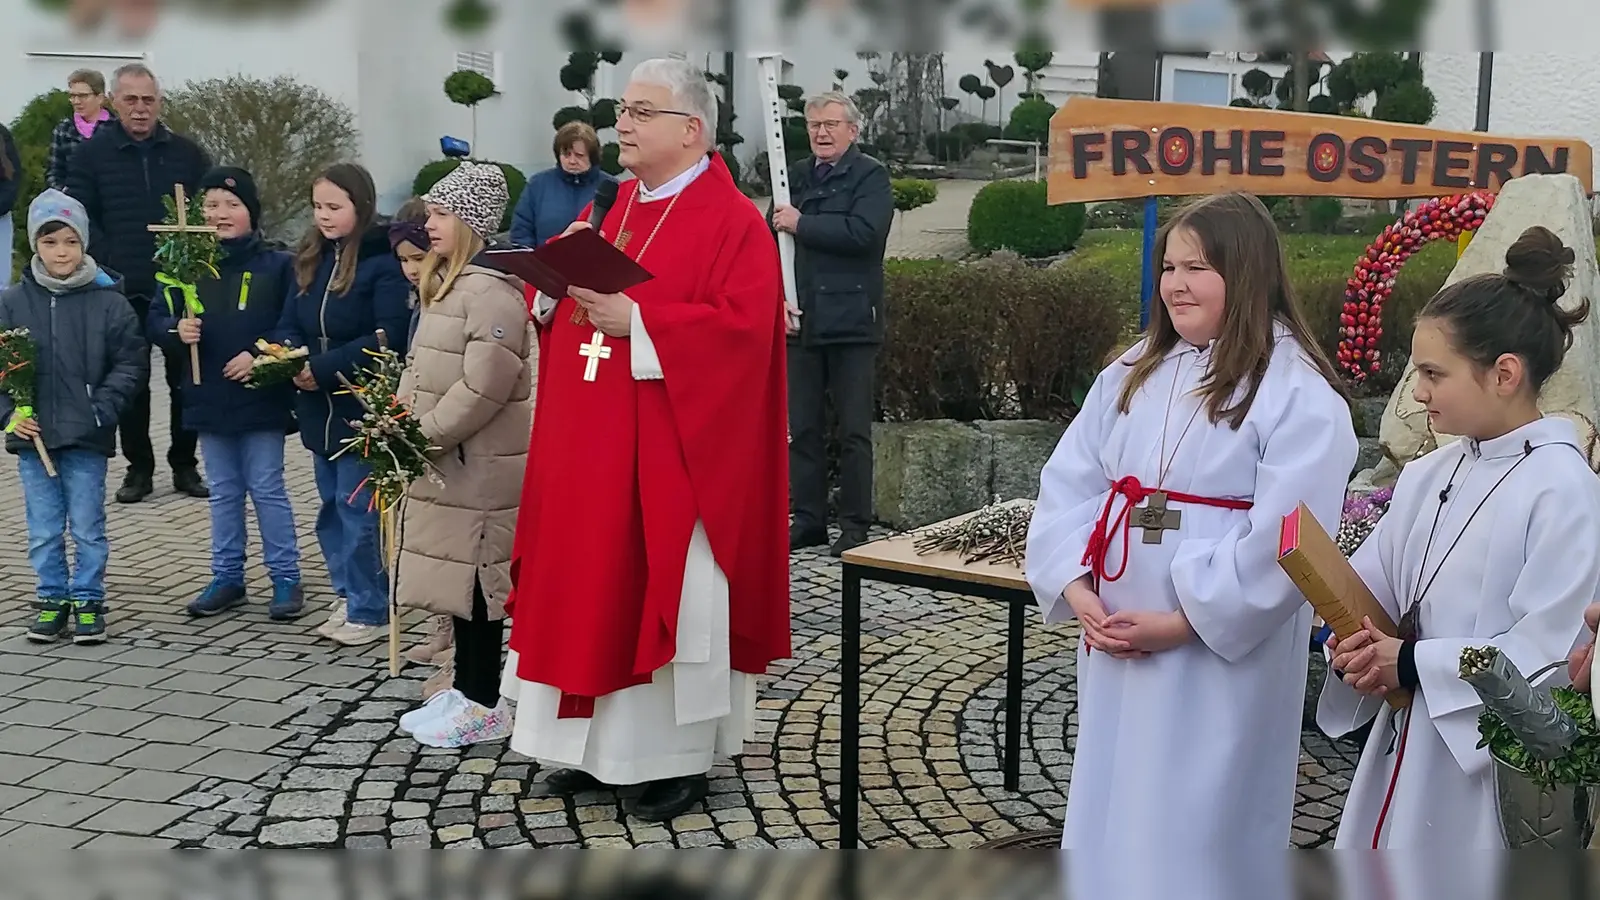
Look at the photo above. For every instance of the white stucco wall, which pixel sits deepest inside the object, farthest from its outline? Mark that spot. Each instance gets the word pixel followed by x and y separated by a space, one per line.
pixel 1533 93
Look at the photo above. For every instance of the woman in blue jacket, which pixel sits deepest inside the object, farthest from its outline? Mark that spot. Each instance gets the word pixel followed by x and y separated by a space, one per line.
pixel 241 428
pixel 554 197
pixel 348 286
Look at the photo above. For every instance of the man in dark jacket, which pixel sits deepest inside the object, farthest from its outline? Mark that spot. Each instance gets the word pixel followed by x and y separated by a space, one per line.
pixel 121 175
pixel 843 207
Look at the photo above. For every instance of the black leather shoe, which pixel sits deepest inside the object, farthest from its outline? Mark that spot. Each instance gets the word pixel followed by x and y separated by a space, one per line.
pixel 135 487
pixel 800 538
pixel 663 801
pixel 565 782
pixel 188 481
pixel 848 540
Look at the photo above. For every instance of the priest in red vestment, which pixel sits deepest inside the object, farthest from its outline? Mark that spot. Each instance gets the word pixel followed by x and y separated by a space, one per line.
pixel 651 562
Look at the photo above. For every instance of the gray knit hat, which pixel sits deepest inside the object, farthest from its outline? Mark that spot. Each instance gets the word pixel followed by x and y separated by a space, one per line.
pixel 55 206
pixel 476 193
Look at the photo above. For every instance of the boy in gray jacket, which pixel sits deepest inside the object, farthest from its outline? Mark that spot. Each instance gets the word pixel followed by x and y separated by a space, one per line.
pixel 91 359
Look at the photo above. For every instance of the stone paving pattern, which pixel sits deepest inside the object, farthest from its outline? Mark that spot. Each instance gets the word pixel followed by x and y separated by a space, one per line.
pixel 238 732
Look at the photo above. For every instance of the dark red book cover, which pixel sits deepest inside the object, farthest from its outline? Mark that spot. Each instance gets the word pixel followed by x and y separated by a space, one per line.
pixel 582 258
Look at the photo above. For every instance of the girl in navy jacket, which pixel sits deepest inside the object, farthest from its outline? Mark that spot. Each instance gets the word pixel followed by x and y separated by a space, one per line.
pixel 347 287
pixel 241 428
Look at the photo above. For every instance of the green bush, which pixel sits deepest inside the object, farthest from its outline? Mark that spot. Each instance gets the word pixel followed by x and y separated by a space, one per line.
pixel 1016 215
pixel 1323 214
pixel 429 175
pixel 1030 121
pixel 31 130
pixel 910 193
pixel 992 339
pixel 948 146
pixel 976 133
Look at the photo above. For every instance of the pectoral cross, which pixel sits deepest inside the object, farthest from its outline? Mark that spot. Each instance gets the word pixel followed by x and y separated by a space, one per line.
pixel 595 351
pixel 1154 518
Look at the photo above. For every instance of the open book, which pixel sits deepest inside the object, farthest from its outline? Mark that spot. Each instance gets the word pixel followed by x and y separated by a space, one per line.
pixel 1311 559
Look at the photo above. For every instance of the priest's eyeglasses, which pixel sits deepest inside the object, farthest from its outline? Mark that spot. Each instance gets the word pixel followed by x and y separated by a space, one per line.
pixel 642 113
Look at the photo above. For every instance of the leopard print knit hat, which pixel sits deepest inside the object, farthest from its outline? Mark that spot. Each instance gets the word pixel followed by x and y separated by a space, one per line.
pixel 476 193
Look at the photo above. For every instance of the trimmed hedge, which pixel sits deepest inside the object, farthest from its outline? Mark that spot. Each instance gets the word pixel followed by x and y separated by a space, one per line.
pixel 1016 215
pixel 31 131
pixel 429 175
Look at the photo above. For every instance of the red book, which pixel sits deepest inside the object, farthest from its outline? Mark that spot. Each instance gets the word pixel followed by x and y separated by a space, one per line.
pixel 582 258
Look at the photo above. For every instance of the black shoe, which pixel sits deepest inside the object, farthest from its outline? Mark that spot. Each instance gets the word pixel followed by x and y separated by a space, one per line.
pixel 135 487
pixel 217 597
pixel 801 537
pixel 848 540
pixel 565 782
pixel 663 801
pixel 188 481
pixel 89 622
pixel 50 623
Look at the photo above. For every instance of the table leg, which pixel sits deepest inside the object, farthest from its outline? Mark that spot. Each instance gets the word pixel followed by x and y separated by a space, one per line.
pixel 850 708
pixel 1014 659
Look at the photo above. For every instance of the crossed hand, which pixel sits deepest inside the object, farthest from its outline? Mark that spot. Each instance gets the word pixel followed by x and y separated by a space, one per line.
pixel 1129 634
pixel 1369 659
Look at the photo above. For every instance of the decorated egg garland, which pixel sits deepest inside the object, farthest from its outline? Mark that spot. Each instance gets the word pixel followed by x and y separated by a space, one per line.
pixel 1372 282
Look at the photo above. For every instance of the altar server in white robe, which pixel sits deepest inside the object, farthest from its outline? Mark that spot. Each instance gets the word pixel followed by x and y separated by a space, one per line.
pixel 1191 672
pixel 1489 541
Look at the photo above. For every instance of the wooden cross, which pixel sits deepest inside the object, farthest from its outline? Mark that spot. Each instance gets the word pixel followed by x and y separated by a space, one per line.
pixel 183 227
pixel 595 351
pixel 1154 517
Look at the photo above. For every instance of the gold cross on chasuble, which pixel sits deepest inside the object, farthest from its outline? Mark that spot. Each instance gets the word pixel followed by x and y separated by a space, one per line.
pixel 594 351
pixel 1154 518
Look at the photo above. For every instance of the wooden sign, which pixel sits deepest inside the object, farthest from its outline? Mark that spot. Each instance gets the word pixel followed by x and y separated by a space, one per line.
pixel 1120 149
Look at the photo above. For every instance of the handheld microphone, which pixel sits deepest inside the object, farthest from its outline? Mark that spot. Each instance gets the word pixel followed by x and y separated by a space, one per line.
pixel 604 196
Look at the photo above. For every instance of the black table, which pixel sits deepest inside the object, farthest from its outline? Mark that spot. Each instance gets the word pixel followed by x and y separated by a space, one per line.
pixel 895 561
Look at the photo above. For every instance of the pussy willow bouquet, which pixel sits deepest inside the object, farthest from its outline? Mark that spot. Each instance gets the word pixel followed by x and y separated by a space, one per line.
pixel 1361 515
pixel 388 437
pixel 998 534
pixel 276 364
pixel 17 376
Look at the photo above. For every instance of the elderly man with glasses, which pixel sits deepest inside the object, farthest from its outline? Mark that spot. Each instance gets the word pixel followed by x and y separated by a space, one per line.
pixel 843 207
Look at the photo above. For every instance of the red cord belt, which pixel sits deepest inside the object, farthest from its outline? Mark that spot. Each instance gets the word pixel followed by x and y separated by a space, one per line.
pixel 1153 519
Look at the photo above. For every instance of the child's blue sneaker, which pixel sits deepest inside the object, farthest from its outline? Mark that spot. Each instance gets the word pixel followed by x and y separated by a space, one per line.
pixel 217 598
pixel 89 622
pixel 50 623
pixel 288 601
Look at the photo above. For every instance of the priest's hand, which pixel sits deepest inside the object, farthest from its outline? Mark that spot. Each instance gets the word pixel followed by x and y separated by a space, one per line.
pixel 786 218
pixel 611 313
pixel 1091 612
pixel 1151 632
pixel 1581 659
pixel 579 225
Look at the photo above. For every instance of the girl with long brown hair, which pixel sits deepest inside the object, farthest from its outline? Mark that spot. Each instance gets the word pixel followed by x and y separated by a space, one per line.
pixel 348 287
pixel 1157 529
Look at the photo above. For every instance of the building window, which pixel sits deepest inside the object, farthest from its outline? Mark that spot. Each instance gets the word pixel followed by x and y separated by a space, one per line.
pixel 1208 88
pixel 485 63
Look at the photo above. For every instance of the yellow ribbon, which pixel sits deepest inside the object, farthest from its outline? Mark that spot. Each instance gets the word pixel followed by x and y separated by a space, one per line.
pixel 191 295
pixel 18 415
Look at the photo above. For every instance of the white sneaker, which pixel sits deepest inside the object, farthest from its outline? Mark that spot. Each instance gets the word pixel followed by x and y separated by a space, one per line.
pixel 440 706
pixel 338 612
pixel 352 635
pixel 468 724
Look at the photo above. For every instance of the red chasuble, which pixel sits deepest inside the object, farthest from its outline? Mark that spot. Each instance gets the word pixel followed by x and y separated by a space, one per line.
pixel 619 470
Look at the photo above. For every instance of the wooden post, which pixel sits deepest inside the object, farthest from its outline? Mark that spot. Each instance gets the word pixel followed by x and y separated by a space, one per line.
pixel 183 227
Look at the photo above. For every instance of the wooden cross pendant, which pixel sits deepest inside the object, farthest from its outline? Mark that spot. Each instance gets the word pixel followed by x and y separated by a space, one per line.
pixel 594 351
pixel 1154 517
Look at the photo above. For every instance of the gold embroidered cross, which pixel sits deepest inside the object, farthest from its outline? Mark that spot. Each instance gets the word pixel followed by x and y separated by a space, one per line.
pixel 594 351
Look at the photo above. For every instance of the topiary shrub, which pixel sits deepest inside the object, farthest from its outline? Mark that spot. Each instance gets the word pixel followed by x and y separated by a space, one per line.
pixel 1030 121
pixel 947 146
pixel 429 175
pixel 31 131
pixel 1027 351
pixel 1016 215
pixel 910 193
pixel 1323 214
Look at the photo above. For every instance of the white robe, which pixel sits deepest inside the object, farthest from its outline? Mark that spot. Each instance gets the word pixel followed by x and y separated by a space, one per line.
pixel 1197 747
pixel 1519 580
pixel 697 706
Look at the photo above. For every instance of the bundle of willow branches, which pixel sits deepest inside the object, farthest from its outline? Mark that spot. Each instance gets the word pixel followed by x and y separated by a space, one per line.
pixel 998 534
pixel 388 437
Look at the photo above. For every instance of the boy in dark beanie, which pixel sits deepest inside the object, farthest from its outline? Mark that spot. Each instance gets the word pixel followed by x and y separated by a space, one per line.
pixel 241 427
pixel 90 360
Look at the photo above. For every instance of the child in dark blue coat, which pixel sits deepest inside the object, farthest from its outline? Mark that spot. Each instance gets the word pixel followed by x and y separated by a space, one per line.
pixel 348 286
pixel 241 428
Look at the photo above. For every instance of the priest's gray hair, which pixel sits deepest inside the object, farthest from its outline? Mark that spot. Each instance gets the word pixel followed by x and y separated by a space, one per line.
pixel 691 93
pixel 852 113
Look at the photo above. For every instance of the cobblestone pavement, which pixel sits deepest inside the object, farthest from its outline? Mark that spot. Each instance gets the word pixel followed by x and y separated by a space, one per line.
pixel 236 731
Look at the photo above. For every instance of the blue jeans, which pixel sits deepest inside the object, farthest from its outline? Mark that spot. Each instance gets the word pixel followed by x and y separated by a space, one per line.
pixel 249 464
pixel 348 533
pixel 74 500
